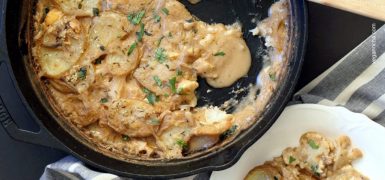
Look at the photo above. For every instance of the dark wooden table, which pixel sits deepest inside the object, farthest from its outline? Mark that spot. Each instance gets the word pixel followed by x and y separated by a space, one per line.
pixel 332 34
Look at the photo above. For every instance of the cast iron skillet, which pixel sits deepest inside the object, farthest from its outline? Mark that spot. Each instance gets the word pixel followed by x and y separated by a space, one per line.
pixel 21 98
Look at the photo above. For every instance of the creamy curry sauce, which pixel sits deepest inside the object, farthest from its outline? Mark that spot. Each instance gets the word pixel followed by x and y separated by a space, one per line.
pixel 124 74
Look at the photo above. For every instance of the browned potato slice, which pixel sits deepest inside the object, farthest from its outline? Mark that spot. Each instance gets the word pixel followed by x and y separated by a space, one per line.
pixel 56 57
pixel 264 172
pixel 130 117
pixel 106 28
pixel 121 64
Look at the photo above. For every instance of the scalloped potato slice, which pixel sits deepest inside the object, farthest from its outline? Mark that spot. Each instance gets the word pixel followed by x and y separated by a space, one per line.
pixel 79 7
pixel 121 64
pixel 146 77
pixel 55 61
pixel 129 117
pixel 106 28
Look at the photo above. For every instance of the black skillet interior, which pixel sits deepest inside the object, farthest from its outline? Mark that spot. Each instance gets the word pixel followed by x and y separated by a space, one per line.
pixel 221 11
pixel 246 12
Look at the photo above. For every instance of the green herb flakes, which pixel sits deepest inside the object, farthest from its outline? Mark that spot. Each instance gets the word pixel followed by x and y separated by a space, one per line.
pixel 151 97
pixel 103 100
pixel 102 48
pixel 291 159
pixel 140 33
pixel 229 132
pixel 220 53
pixel 156 18
pixel 130 17
pixel 95 11
pixel 312 144
pixel 165 11
pixel 179 72
pixel 153 122
pixel 181 143
pixel 82 73
pixel 125 137
pixel 314 169
pixel 273 76
pixel 160 55
pixel 172 83
pixel 132 48
pixel 158 82
pixel 137 18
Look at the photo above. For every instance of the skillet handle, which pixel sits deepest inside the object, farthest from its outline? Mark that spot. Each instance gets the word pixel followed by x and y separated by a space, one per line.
pixel 12 107
pixel 12 103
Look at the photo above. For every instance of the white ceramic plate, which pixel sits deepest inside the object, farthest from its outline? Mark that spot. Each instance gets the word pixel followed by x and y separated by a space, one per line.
pixel 330 121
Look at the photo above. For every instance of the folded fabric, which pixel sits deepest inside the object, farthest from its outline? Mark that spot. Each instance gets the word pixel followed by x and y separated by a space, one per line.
pixel 356 82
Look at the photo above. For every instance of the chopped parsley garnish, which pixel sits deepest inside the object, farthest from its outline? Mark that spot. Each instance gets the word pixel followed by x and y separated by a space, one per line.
pixel 157 18
pixel 314 169
pixel 136 19
pixel 220 53
pixel 151 97
pixel 95 11
pixel 82 73
pixel 140 33
pixel 272 76
pixel 80 5
pixel 169 34
pixel 166 95
pixel 165 11
pixel 130 17
pixel 228 132
pixel 291 159
pixel 102 48
pixel 179 72
pixel 181 143
pixel 103 100
pixel 312 144
pixel 172 83
pixel 125 137
pixel 153 121
pixel 158 82
pixel 159 41
pixel 132 48
pixel 160 55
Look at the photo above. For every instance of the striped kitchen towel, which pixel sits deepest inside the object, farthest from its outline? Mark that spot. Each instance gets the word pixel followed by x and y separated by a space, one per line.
pixel 356 82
